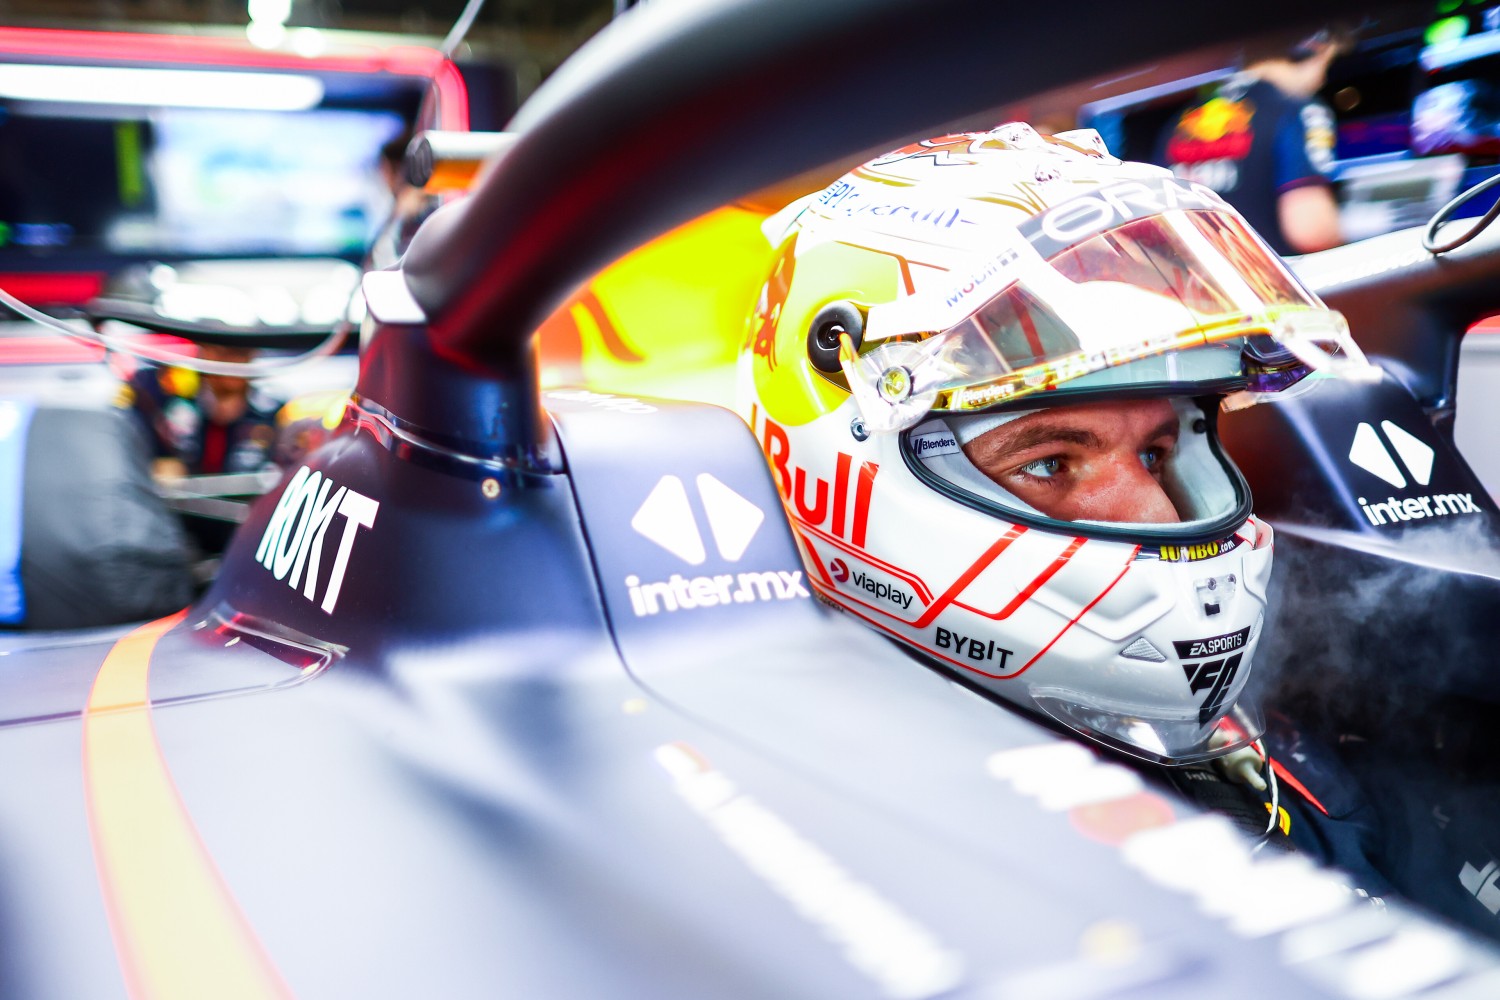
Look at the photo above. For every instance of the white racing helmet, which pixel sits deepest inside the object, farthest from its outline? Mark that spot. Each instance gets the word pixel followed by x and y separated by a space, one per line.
pixel 938 295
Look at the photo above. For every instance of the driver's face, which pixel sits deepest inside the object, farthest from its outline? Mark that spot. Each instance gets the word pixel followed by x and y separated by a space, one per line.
pixel 1089 461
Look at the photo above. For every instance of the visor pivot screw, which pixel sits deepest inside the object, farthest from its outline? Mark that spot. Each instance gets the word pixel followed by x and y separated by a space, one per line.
pixel 894 385
pixel 858 430
pixel 490 488
pixel 1200 426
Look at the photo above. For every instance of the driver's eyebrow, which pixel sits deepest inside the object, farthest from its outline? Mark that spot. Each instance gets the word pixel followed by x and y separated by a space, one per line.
pixel 1171 427
pixel 1047 433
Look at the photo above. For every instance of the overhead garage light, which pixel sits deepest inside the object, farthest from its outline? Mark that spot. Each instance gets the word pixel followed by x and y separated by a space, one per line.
pixel 278 11
pixel 267 27
pixel 175 88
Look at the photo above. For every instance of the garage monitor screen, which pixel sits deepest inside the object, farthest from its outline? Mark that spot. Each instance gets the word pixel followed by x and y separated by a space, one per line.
pixel 87 180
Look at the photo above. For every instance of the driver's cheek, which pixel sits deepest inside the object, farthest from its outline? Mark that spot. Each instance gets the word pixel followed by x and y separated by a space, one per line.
pixel 1122 489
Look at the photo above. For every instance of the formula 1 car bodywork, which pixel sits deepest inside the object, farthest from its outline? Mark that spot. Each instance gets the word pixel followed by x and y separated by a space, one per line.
pixel 509 693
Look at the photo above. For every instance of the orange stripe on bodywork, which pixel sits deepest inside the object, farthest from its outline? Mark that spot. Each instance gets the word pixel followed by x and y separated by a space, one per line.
pixel 178 931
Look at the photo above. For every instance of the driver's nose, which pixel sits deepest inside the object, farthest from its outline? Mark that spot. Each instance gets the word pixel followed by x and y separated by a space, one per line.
pixel 1126 491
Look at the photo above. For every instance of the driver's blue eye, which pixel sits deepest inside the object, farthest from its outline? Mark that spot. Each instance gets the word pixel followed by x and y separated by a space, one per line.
pixel 1152 457
pixel 1042 468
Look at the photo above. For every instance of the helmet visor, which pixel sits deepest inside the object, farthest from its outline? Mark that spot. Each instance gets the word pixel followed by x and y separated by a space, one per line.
pixel 1183 301
pixel 1154 737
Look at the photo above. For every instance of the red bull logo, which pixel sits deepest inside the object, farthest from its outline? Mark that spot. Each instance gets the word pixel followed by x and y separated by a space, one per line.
pixel 807 496
pixel 1217 130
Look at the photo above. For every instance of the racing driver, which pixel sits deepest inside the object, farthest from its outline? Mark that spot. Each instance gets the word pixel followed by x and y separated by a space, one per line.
pixel 986 371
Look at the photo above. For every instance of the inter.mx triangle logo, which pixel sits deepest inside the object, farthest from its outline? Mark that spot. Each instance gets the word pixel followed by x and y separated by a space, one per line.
pixel 666 518
pixel 1370 454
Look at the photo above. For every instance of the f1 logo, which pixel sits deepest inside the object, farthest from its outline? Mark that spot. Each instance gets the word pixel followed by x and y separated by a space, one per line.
pixel 1370 454
pixel 1218 676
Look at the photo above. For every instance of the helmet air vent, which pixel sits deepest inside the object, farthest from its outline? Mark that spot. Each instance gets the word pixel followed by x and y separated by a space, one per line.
pixel 1142 649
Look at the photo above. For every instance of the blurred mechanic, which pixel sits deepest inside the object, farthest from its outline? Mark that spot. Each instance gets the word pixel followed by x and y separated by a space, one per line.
pixel 986 372
pixel 197 424
pixel 1265 143
pixel 408 208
